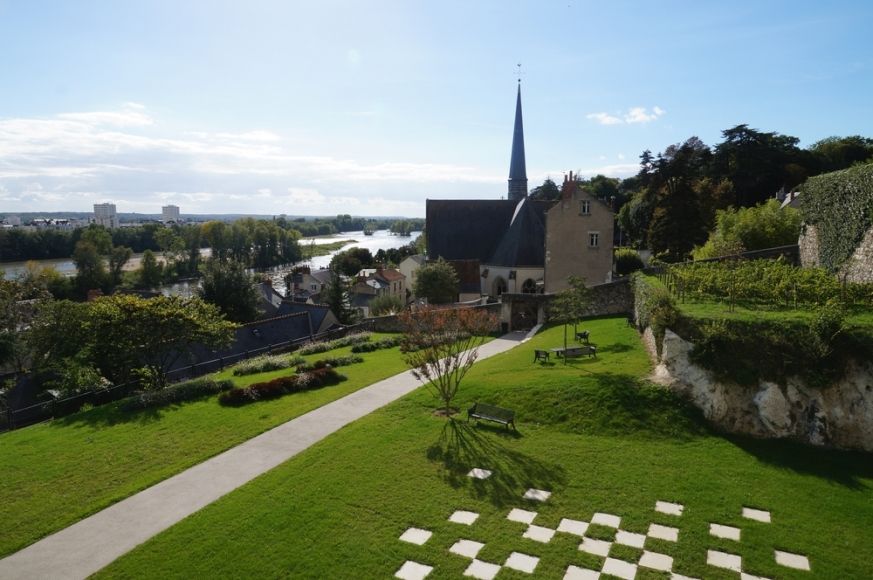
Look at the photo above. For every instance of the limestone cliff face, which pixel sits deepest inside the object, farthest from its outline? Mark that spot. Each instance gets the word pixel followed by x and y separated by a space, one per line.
pixel 840 415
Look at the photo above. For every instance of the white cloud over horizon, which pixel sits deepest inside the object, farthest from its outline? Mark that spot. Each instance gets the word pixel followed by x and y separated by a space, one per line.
pixel 633 116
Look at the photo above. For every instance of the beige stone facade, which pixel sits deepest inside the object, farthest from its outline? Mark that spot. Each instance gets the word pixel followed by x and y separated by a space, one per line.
pixel 579 233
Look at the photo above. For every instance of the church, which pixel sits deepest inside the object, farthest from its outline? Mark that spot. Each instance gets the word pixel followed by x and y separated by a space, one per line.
pixel 518 244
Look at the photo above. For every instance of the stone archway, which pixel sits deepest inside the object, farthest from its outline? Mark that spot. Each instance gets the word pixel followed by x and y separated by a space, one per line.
pixel 529 287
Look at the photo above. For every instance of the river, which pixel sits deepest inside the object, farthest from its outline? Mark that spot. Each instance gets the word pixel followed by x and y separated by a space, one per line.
pixel 380 240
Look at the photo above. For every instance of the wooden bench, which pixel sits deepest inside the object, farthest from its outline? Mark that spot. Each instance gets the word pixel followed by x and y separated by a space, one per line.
pixel 582 336
pixel 542 355
pixel 491 413
pixel 577 351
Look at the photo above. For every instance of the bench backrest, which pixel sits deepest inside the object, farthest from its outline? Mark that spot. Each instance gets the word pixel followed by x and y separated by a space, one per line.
pixel 493 411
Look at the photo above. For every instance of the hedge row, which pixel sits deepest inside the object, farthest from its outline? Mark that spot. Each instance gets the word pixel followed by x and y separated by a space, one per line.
pixel 337 361
pixel 350 340
pixel 262 364
pixel 187 391
pixel 378 345
pixel 276 388
pixel 840 205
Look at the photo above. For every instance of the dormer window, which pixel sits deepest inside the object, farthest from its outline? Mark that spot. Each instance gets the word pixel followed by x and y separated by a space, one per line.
pixel 585 207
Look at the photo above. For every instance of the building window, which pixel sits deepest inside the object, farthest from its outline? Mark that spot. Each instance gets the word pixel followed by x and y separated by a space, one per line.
pixel 313 287
pixel 585 207
pixel 593 239
pixel 529 287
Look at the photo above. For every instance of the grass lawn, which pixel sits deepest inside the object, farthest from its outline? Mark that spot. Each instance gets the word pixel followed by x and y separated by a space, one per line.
pixel 56 473
pixel 592 433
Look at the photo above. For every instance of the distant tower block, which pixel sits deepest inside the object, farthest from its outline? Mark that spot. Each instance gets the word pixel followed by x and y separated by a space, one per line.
pixel 517 167
pixel 170 213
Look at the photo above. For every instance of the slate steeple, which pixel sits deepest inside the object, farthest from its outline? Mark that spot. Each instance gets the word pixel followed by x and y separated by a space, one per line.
pixel 517 168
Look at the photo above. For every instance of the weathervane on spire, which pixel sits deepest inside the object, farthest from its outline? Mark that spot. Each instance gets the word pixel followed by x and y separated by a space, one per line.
pixel 518 72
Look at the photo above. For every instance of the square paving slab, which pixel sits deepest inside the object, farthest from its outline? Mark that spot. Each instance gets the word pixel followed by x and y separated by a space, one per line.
pixel 522 562
pixel 577 573
pixel 656 561
pixel 630 539
pixel 462 517
pixel 757 515
pixel 537 494
pixel 466 548
pixel 596 547
pixel 608 520
pixel 790 560
pixel 669 508
pixel 482 570
pixel 620 568
pixel 413 571
pixel 675 576
pixel 574 527
pixel 479 473
pixel 664 533
pixel 726 532
pixel 522 516
pixel 416 536
pixel 744 576
pixel 724 560
pixel 539 534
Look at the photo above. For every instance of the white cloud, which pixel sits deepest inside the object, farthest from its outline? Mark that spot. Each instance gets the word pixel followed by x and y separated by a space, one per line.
pixel 634 115
pixel 353 56
pixel 621 156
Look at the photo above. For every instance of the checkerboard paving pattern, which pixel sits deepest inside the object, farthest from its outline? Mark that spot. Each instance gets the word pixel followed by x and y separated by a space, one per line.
pixel 479 473
pixel 612 564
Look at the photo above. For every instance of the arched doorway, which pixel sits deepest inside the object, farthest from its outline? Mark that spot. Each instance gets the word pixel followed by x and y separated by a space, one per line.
pixel 529 287
pixel 499 286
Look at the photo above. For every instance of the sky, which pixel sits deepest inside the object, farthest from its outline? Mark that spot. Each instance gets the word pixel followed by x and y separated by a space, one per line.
pixel 370 108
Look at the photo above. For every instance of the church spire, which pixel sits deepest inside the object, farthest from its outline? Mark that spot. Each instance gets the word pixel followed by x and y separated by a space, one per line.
pixel 517 168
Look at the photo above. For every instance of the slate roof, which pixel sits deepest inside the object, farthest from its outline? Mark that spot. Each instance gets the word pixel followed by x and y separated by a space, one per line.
pixel 466 229
pixel 390 275
pixel 523 244
pixel 270 299
pixel 318 312
pixel 322 276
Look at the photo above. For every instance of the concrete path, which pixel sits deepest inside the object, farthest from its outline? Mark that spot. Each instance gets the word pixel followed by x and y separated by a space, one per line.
pixel 90 544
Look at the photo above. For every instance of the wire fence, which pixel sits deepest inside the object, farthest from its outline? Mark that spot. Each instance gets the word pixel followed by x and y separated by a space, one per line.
pixel 55 408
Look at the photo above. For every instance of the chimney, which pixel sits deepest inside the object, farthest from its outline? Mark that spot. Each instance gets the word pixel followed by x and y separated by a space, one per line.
pixel 568 188
pixel 267 282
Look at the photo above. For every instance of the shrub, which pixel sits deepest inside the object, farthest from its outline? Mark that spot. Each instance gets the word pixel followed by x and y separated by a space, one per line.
pixel 627 260
pixel 262 364
pixel 339 361
pixel 655 308
pixel 378 345
pixel 278 387
pixel 178 393
pixel 350 340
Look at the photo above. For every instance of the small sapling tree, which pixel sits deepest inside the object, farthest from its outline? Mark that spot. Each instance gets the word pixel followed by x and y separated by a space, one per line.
pixel 441 345
pixel 570 305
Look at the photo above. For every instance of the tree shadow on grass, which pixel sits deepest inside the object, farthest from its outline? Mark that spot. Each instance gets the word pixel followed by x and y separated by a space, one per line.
pixel 462 446
pixel 847 468
pixel 109 415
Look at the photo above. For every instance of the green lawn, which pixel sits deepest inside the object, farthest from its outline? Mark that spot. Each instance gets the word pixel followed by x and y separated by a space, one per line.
pixel 56 473
pixel 592 433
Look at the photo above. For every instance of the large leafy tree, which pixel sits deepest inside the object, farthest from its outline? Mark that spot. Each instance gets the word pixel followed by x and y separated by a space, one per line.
pixel 437 282
pixel 228 286
pixel 755 228
pixel 548 191
pixel 350 262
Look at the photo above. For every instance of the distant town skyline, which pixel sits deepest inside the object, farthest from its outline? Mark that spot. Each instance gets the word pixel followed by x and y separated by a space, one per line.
pixel 273 107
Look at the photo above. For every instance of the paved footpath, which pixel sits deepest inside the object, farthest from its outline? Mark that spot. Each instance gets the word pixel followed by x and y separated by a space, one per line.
pixel 90 544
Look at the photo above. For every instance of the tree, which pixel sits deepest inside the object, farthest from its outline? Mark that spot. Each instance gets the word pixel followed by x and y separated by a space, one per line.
pixel 437 282
pixel 755 228
pixel 548 191
pixel 570 305
pixel 441 345
pixel 118 257
pixel 90 270
pixel 338 298
pixel 834 153
pixel 385 304
pixel 229 287
pixel 18 302
pixel 151 272
pixel 351 261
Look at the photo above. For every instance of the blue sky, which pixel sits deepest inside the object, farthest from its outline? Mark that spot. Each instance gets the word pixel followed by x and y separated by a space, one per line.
pixel 369 108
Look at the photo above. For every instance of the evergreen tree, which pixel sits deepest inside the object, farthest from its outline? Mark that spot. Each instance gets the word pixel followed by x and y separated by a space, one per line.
pixel 339 299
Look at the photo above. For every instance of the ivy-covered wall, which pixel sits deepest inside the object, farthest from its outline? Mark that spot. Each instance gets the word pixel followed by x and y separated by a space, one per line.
pixel 840 206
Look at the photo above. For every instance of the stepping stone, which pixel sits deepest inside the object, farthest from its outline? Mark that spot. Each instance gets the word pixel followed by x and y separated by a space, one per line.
pixel 726 532
pixel 656 561
pixel 466 548
pixel 462 517
pixel 537 494
pixel 724 560
pixel 596 547
pixel 620 568
pixel 574 527
pixel 479 473
pixel 577 573
pixel 669 508
pixel 482 570
pixel 629 539
pixel 521 516
pixel 416 536
pixel 790 560
pixel 607 520
pixel 744 576
pixel 539 534
pixel 666 533
pixel 413 571
pixel 522 562
pixel 757 515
